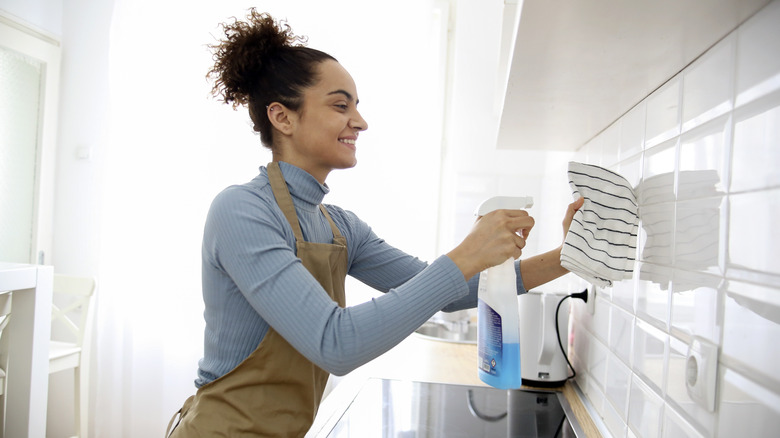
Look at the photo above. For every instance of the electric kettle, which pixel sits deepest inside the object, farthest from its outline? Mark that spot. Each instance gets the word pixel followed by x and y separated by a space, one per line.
pixel 542 363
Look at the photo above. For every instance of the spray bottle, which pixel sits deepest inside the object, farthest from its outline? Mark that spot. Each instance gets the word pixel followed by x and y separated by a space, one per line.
pixel 498 329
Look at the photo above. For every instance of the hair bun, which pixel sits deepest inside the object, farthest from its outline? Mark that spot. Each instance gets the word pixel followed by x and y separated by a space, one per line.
pixel 246 53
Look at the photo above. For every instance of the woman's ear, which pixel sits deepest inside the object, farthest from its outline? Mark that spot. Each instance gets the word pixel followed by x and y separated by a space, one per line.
pixel 281 117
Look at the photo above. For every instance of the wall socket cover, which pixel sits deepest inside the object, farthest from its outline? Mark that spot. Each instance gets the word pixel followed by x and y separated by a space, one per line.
pixel 701 372
pixel 591 304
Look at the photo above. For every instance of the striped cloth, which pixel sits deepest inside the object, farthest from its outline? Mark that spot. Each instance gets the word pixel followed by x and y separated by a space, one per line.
pixel 600 246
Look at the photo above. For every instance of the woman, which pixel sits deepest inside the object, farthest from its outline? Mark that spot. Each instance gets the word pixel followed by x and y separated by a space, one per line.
pixel 275 258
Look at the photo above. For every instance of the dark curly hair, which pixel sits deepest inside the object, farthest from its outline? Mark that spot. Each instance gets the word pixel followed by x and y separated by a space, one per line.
pixel 261 61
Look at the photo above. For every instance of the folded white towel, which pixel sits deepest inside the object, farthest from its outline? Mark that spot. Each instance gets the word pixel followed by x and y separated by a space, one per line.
pixel 601 243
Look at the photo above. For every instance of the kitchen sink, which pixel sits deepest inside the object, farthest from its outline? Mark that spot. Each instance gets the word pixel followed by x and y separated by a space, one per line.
pixel 440 331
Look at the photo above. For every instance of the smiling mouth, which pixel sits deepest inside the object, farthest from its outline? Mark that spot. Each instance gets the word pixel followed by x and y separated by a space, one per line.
pixel 347 141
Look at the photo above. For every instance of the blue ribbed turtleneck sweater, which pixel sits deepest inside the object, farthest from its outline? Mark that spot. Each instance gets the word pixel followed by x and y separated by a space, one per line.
pixel 252 279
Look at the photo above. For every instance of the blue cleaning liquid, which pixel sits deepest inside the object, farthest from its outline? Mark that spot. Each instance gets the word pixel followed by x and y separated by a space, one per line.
pixel 505 372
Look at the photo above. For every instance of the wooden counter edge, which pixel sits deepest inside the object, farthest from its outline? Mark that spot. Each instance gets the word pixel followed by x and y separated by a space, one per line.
pixel 581 413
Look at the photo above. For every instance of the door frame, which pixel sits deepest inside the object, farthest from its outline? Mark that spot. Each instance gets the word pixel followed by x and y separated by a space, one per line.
pixel 45 48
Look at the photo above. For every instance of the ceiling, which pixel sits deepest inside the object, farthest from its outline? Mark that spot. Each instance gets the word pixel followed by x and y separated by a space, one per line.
pixel 578 65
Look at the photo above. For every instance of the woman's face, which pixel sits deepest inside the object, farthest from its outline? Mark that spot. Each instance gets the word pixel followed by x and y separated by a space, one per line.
pixel 327 125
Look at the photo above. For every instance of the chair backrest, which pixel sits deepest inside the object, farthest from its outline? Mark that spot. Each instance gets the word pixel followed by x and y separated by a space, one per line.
pixel 5 316
pixel 71 307
pixel 5 310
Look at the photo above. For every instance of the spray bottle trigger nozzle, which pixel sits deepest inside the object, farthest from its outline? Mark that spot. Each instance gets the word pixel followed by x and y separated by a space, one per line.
pixel 504 203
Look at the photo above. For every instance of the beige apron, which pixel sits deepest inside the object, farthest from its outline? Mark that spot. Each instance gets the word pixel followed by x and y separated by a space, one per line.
pixel 275 392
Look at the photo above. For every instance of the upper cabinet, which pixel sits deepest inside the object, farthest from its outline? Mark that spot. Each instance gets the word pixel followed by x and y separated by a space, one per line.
pixel 576 66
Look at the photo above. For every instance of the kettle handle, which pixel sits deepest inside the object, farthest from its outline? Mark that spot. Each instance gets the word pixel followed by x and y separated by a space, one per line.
pixel 549 344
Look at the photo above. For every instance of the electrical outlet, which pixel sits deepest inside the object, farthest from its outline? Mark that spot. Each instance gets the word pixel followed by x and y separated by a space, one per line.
pixel 591 304
pixel 701 372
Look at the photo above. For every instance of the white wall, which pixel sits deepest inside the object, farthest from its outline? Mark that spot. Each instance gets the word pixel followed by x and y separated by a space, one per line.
pixel 703 151
pixel 41 14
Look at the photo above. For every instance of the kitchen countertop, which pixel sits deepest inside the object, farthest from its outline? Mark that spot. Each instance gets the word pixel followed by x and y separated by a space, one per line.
pixel 424 360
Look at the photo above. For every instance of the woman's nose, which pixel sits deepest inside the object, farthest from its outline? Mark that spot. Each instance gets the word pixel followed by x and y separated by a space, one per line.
pixel 358 122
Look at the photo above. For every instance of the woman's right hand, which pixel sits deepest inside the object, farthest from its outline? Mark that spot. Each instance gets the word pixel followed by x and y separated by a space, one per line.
pixel 494 238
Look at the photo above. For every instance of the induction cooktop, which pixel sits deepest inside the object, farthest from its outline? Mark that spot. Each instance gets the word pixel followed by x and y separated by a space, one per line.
pixel 405 409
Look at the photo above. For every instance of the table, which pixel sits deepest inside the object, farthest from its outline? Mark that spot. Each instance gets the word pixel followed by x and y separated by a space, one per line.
pixel 28 331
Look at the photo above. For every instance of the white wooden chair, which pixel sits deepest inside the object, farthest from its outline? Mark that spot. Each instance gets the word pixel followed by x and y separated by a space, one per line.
pixel 5 316
pixel 71 338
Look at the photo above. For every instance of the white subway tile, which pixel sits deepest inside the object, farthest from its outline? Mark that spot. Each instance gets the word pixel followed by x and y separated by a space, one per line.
pixel 696 305
pixel 631 169
pixel 751 329
pixel 663 113
pixel 702 164
pixel 613 420
pixel 649 354
pixel 677 392
pixel 600 325
pixel 623 291
pixel 747 409
pixel 595 393
pixel 581 344
pixel 755 152
pixel 621 333
pixel 644 410
pixel 597 363
pixel 676 427
pixel 617 386
pixel 652 293
pixel 753 239
pixel 656 233
pixel 658 166
pixel 758 66
pixel 708 84
pixel 700 235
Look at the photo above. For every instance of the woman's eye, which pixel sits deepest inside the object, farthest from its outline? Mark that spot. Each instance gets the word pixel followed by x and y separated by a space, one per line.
pixel 342 106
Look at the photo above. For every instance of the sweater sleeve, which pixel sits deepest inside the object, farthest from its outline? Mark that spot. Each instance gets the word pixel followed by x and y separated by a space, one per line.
pixel 249 242
pixel 470 300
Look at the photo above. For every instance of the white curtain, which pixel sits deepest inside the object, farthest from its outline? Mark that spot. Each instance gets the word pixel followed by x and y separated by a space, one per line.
pixel 172 148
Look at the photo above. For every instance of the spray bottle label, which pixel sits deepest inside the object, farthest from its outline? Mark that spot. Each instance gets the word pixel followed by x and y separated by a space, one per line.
pixel 490 339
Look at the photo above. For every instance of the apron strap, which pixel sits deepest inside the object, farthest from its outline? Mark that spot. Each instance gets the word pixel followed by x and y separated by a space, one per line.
pixel 179 415
pixel 283 198
pixel 171 426
pixel 333 227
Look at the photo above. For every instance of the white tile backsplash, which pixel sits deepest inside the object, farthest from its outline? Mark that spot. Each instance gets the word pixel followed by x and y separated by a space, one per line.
pixel 699 235
pixel 663 113
pixel 756 155
pixel 617 386
pixel 676 427
pixel 649 354
pixel 752 321
pixel 708 85
pixel 697 305
pixel 752 222
pixel 621 333
pixel 644 410
pixel 702 166
pixel 703 152
pixel 746 409
pixel 652 294
pixel 758 66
